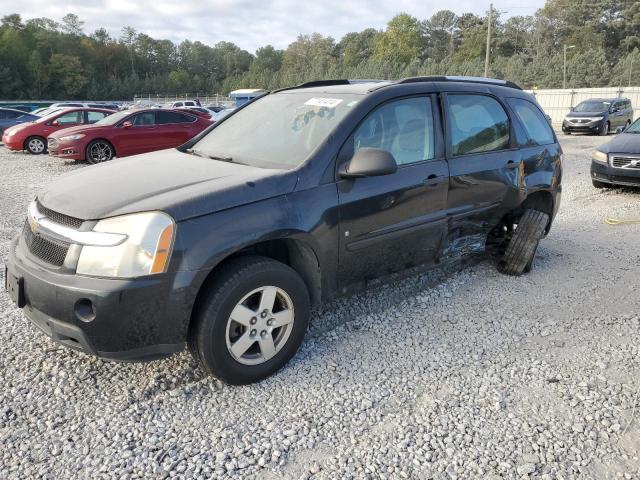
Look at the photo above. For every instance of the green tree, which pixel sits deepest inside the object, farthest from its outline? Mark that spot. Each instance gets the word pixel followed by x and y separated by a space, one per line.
pixel 402 41
pixel 67 78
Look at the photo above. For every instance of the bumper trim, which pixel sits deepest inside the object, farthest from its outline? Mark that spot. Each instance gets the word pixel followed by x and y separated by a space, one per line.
pixel 73 337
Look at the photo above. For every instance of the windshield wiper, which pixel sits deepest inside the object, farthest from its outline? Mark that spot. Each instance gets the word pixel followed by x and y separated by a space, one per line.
pixel 206 155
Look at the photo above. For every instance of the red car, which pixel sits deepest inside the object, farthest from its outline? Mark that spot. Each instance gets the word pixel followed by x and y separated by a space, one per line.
pixel 32 136
pixel 127 133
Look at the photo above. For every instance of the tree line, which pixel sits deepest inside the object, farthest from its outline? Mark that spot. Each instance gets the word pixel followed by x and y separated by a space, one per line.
pixel 41 58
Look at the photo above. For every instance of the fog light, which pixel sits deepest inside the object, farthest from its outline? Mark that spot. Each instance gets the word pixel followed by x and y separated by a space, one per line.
pixel 85 310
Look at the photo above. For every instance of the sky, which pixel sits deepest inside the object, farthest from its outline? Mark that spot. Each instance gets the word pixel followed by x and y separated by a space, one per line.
pixel 249 24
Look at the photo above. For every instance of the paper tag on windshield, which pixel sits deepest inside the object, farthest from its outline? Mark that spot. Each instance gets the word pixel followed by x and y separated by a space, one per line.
pixel 323 102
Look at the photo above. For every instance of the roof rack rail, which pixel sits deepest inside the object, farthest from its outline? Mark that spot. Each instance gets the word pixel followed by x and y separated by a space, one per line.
pixel 329 83
pixel 449 78
pixel 315 83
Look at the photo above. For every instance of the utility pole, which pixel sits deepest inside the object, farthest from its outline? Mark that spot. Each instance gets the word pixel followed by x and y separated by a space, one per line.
pixel 564 64
pixel 486 55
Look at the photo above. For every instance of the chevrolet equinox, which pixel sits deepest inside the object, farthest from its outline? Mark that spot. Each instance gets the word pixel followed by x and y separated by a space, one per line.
pixel 226 243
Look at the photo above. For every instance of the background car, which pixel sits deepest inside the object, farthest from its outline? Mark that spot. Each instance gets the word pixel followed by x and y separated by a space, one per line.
pixel 10 117
pixel 127 133
pixel 107 106
pixel 221 114
pixel 32 136
pixel 182 103
pixel 598 115
pixel 617 162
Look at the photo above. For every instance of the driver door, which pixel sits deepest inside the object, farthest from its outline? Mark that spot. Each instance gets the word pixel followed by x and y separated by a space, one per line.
pixel 396 221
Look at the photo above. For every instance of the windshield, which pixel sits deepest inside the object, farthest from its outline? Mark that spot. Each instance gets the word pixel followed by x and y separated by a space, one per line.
pixel 634 127
pixel 48 111
pixel 592 106
pixel 113 118
pixel 280 130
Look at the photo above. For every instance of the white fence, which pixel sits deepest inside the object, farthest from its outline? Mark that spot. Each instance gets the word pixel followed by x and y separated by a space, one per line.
pixel 557 102
pixel 205 98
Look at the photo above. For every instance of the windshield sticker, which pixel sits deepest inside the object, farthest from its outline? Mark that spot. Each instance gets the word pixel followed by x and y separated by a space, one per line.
pixel 323 102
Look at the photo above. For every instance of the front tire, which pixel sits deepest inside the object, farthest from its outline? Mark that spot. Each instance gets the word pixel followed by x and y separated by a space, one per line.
pixel 35 145
pixel 521 250
pixel 604 130
pixel 251 321
pixel 99 151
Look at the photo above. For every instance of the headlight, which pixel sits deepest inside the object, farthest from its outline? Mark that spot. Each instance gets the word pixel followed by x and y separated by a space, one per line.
pixel 146 250
pixel 600 157
pixel 596 119
pixel 68 138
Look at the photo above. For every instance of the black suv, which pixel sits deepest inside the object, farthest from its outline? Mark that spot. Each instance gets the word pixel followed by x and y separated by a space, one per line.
pixel 303 194
pixel 599 115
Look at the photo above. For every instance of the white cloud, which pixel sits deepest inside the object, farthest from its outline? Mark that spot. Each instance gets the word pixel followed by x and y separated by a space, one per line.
pixel 249 24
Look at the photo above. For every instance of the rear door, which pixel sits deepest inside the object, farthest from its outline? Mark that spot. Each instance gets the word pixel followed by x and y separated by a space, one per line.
pixel 485 168
pixel 175 127
pixel 395 221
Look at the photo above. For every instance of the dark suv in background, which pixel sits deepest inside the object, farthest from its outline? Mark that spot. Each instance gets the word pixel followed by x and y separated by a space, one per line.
pixel 303 194
pixel 599 116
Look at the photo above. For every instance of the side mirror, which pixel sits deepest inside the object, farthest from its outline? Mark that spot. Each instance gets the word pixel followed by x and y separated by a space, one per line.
pixel 55 123
pixel 127 125
pixel 370 162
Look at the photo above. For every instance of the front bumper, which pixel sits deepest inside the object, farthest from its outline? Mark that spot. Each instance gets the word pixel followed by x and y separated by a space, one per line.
pixel 582 128
pixel 601 172
pixel 132 319
pixel 13 142
pixel 68 150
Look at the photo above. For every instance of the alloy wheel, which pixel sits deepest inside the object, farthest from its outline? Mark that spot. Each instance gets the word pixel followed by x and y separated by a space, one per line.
pixel 36 145
pixel 259 325
pixel 100 152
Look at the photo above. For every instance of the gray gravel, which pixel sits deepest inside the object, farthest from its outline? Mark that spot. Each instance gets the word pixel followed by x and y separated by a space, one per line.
pixel 464 375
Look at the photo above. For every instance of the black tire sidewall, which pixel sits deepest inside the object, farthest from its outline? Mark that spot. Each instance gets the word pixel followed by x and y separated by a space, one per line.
pixel 211 334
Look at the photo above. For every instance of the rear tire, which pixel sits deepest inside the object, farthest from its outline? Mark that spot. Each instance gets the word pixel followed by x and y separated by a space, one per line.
pixel 521 250
pixel 35 145
pixel 598 184
pixel 251 320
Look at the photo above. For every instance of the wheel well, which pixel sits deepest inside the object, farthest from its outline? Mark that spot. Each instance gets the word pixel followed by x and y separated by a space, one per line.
pixel 541 200
pixel 297 254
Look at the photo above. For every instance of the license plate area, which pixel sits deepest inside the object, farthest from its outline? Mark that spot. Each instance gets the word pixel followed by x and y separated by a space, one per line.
pixel 15 288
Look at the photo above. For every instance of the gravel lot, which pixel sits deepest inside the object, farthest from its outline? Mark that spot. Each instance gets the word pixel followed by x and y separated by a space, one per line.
pixel 464 375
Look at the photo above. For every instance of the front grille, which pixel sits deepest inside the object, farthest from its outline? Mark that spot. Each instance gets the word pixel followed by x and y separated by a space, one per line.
pixel 626 162
pixel 46 250
pixel 59 217
pixel 579 120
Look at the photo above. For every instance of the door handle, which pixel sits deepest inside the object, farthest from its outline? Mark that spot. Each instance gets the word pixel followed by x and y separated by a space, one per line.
pixel 511 165
pixel 432 180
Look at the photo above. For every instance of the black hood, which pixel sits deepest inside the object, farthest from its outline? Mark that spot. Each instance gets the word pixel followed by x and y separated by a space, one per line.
pixel 586 114
pixel 623 143
pixel 183 185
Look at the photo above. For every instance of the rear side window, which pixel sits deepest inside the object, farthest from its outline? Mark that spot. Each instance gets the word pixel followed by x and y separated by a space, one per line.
pixel 477 124
pixel 71 118
pixel 93 117
pixel 533 121
pixel 402 127
pixel 168 117
pixel 9 114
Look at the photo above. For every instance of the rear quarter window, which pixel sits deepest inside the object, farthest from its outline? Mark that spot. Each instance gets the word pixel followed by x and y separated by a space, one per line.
pixel 533 122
